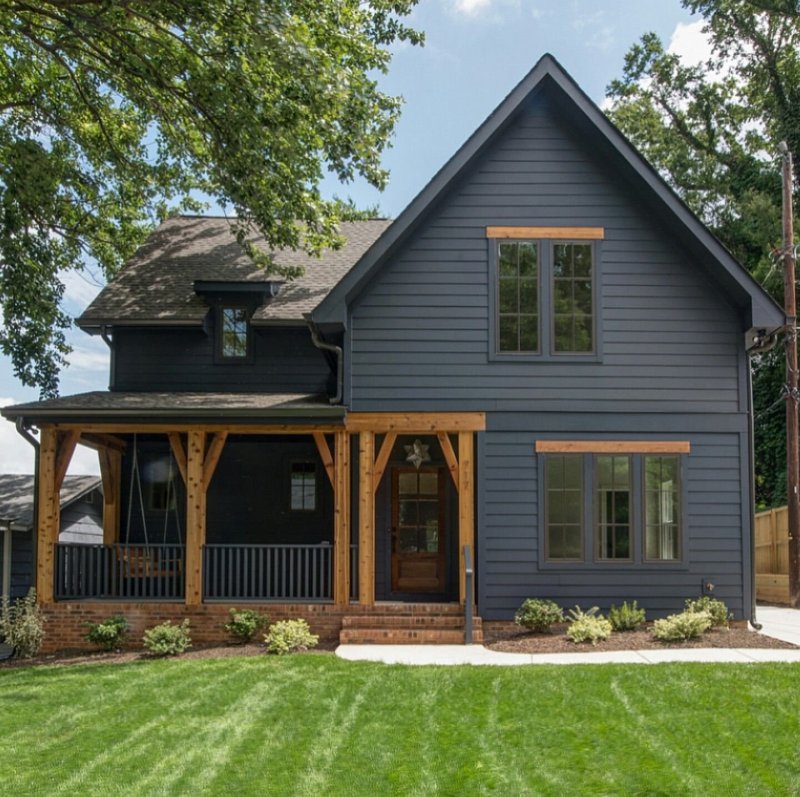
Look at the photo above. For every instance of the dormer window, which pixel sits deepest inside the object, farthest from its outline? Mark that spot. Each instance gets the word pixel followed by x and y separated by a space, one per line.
pixel 234 333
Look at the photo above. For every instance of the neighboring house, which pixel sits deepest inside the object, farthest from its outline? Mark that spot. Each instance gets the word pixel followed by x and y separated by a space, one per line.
pixel 541 365
pixel 81 514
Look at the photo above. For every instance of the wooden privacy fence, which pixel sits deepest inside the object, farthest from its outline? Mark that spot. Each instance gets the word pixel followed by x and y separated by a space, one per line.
pixel 772 555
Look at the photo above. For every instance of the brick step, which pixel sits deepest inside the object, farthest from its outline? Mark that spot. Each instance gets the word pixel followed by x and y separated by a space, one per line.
pixel 449 621
pixel 414 609
pixel 405 636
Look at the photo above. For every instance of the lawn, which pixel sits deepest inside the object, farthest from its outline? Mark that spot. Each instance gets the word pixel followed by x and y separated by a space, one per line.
pixel 315 725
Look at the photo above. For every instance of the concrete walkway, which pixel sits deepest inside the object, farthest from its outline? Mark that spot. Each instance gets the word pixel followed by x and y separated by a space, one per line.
pixel 778 623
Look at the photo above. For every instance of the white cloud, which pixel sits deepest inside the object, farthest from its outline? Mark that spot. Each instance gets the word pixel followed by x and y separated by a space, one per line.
pixel 17 454
pixel 690 43
pixel 86 359
pixel 80 288
pixel 471 7
pixel 595 31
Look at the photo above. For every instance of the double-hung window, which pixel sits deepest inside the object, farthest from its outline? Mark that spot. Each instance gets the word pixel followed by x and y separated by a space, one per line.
pixel 544 289
pixel 605 507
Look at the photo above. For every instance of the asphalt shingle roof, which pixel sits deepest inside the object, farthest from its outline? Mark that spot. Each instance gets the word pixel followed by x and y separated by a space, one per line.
pixel 16 496
pixel 156 284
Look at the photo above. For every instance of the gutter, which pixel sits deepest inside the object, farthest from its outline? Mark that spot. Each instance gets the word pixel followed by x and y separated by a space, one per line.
pixel 316 339
pixel 112 371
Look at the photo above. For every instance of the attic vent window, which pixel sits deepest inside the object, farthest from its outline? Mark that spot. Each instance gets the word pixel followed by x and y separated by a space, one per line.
pixel 234 333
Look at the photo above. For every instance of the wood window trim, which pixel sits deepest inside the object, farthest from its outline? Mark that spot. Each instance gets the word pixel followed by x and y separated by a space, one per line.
pixel 548 233
pixel 613 447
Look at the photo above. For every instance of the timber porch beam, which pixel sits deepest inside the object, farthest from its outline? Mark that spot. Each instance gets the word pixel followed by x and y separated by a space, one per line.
pixel 415 422
pixel 48 515
pixel 341 519
pixel 100 442
pixel 366 518
pixel 195 518
pixel 466 508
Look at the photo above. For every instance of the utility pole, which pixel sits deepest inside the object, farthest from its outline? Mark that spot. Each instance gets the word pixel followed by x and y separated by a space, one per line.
pixel 792 448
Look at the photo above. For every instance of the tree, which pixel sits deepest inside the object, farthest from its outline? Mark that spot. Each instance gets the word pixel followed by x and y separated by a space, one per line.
pixel 113 114
pixel 712 130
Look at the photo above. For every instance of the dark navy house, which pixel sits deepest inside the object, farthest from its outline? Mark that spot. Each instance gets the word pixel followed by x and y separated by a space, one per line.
pixel 533 383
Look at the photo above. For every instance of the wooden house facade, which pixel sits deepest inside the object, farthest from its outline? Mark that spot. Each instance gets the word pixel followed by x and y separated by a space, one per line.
pixel 534 382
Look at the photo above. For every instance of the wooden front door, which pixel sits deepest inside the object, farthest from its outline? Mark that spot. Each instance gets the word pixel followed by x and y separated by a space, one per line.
pixel 418 530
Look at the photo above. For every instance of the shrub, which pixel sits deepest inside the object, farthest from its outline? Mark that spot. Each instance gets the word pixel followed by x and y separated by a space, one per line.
pixel 716 610
pixel 244 623
pixel 288 636
pixel 538 615
pixel 588 626
pixel 678 627
pixel 167 639
pixel 109 633
pixel 22 625
pixel 627 617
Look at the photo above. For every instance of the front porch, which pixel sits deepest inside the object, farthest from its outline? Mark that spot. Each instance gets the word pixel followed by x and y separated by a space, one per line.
pixel 343 563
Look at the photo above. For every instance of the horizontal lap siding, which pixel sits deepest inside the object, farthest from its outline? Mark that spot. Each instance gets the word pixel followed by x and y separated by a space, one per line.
pixel 21 563
pixel 671 366
pixel 420 332
pixel 511 524
pixel 285 361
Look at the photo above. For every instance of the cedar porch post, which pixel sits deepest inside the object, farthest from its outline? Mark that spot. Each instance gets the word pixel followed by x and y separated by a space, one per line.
pixel 366 519
pixel 341 515
pixel 111 474
pixel 466 508
pixel 195 517
pixel 49 515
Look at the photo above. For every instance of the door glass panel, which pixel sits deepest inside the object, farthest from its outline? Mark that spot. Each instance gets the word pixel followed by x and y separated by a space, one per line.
pixel 408 540
pixel 429 538
pixel 407 483
pixel 429 483
pixel 407 513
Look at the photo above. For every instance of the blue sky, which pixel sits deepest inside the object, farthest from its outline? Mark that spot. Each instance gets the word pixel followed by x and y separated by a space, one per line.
pixel 476 51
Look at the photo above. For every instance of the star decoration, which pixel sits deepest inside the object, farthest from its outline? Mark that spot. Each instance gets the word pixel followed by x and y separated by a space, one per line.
pixel 417 453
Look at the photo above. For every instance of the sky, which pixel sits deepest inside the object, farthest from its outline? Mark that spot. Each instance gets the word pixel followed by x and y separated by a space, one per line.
pixel 476 51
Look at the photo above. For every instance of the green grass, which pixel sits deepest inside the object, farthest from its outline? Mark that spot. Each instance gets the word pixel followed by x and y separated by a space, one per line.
pixel 315 725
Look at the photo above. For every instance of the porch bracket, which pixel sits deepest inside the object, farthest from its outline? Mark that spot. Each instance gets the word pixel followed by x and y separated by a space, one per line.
pixel 383 459
pixel 178 452
pixel 449 456
pixel 212 458
pixel 325 456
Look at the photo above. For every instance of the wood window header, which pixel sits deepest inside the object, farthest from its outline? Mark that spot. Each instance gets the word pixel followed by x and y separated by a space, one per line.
pixel 613 447
pixel 567 233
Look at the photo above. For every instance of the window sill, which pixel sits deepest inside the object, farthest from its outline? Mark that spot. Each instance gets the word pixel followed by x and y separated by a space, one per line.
pixel 526 357
pixel 611 567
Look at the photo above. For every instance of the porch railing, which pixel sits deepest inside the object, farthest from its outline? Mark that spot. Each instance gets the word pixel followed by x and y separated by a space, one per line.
pixel 268 572
pixel 142 572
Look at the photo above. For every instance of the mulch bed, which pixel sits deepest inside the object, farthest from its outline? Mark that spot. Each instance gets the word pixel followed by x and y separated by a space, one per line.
pixel 516 641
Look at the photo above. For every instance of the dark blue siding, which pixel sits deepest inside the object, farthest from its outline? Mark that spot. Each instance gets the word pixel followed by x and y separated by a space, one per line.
pixel 671 364
pixel 285 361
pixel 22 564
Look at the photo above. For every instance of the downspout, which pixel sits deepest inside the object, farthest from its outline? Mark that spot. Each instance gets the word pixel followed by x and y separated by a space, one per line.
pixel 337 353
pixel 112 373
pixel 25 432
pixel 762 343
pixel 5 591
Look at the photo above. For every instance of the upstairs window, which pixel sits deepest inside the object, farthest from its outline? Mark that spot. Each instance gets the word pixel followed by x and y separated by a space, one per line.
pixel 544 291
pixel 233 342
pixel 518 296
pixel 572 298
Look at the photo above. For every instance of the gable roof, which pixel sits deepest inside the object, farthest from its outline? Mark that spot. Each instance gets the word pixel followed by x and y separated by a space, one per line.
pixel 16 497
pixel 548 75
pixel 157 284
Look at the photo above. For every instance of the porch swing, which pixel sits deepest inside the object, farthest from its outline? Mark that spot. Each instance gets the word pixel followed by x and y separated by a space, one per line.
pixel 146 560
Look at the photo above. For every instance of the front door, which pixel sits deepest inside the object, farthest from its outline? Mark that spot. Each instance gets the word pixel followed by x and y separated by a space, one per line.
pixel 418 530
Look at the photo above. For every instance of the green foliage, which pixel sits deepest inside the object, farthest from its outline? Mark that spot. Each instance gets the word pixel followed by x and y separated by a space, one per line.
pixel 116 114
pixel 108 634
pixel 588 626
pixel 538 615
pixel 679 627
pixel 167 639
pixel 712 130
pixel 244 624
pixel 290 636
pixel 22 624
pixel 715 609
pixel 627 617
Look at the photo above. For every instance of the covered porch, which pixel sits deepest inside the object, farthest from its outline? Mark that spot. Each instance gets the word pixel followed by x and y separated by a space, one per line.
pixel 328 551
